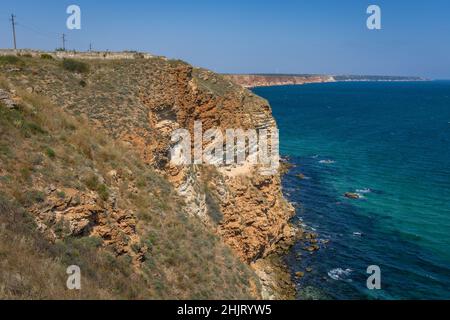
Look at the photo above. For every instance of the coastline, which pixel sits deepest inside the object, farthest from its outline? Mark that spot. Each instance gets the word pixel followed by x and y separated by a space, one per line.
pixel 253 81
pixel 319 185
pixel 273 80
pixel 247 210
pixel 259 232
pixel 278 278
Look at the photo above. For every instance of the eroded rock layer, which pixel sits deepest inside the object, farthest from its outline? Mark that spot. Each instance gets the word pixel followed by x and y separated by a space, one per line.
pixel 257 80
pixel 141 102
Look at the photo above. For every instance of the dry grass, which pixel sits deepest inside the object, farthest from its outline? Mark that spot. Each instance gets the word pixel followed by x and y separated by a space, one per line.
pixel 41 145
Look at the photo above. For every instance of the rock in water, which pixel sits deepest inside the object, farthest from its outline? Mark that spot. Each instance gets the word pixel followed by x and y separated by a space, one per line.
pixel 351 195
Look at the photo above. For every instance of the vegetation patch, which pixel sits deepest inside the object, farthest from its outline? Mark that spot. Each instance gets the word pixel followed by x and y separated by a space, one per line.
pixel 10 59
pixel 93 183
pixel 184 259
pixel 46 56
pixel 75 66
pixel 50 153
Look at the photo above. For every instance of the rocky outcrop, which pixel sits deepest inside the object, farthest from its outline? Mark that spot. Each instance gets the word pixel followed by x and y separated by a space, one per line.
pixel 255 214
pixel 8 100
pixel 141 102
pixel 72 213
pixel 251 81
pixel 351 195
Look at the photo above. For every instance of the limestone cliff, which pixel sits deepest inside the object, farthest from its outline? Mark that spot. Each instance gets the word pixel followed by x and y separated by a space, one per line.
pixel 261 80
pixel 140 101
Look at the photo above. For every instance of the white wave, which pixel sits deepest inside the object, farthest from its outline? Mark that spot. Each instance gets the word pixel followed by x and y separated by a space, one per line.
pixel 365 190
pixel 357 234
pixel 340 274
pixel 327 161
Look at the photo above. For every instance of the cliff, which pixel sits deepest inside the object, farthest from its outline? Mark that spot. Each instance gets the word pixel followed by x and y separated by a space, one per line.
pixel 269 80
pixel 261 80
pixel 138 101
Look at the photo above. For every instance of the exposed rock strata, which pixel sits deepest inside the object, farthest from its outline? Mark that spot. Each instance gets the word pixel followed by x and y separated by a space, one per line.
pixel 141 102
pixel 250 81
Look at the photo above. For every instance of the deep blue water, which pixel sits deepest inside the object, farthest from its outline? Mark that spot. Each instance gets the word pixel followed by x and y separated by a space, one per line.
pixel 389 142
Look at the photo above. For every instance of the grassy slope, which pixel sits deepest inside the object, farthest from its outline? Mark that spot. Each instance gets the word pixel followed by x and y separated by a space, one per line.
pixel 41 145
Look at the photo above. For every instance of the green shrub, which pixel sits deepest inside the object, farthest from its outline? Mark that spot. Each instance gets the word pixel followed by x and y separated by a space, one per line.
pixel 94 184
pixel 103 192
pixel 75 66
pixel 91 182
pixel 5 150
pixel 34 128
pixel 62 228
pixel 25 173
pixel 61 194
pixel 46 56
pixel 50 153
pixel 28 198
pixel 10 60
pixel 213 208
pixel 88 242
pixel 141 182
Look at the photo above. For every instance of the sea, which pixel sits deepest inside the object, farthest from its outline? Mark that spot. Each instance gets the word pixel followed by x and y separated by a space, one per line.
pixel 389 144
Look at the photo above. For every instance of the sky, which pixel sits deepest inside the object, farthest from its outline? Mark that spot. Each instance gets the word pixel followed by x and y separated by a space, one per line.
pixel 249 36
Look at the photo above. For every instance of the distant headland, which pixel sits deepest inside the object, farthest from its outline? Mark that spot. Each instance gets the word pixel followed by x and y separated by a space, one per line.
pixel 268 80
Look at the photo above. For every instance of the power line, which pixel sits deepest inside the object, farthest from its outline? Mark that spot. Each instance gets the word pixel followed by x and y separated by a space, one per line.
pixel 49 35
pixel 35 30
pixel 14 30
pixel 64 41
pixel 38 31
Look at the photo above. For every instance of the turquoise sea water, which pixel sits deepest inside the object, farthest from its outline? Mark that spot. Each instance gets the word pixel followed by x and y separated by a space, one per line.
pixel 389 142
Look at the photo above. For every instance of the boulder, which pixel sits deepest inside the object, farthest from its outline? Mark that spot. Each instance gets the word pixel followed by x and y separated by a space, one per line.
pixel 9 101
pixel 351 195
pixel 301 176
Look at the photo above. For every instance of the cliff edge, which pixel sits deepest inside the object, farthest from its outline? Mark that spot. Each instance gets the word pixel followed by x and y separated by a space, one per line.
pixel 139 101
pixel 262 80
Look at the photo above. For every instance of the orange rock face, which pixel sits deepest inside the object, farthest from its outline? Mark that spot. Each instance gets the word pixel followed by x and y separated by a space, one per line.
pixel 141 101
pixel 255 214
pixel 69 212
pixel 250 81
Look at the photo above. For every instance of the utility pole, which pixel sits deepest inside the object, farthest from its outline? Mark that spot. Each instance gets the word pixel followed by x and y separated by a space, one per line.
pixel 13 21
pixel 64 41
pixel 90 47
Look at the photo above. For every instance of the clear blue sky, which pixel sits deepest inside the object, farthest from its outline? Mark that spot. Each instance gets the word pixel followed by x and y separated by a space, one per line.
pixel 276 36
